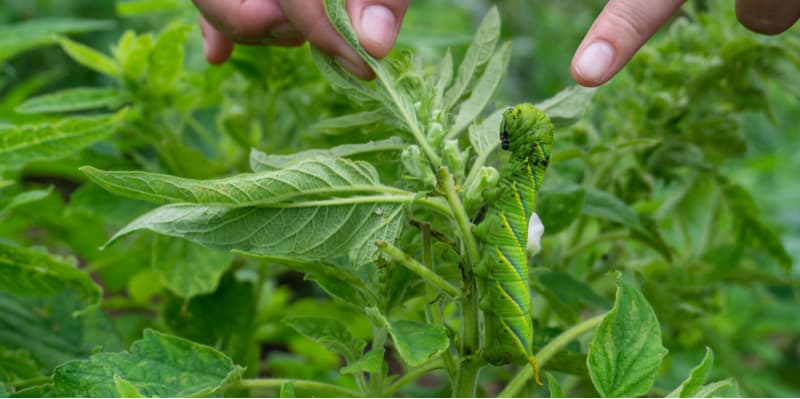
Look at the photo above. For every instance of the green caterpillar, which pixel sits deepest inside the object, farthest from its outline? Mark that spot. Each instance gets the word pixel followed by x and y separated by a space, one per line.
pixel 508 332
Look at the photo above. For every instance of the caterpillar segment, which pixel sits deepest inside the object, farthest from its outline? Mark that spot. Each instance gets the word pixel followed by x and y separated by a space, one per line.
pixel 508 331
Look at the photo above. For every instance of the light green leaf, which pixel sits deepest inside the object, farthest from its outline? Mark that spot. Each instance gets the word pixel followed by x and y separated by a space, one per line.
pixel 79 99
pixel 554 387
pixel 317 231
pixel 166 58
pixel 393 99
pixel 445 77
pixel 125 389
pixel 331 333
pixel 30 273
pixel 47 329
pixel 45 142
pixel 25 198
pixel 17 365
pixel 416 342
pixel 341 80
pixel 371 362
pixel 724 388
pixel 352 120
pixel 287 390
pixel 89 57
pixel 128 8
pixel 626 350
pixel 485 136
pixel 313 178
pixel 483 91
pixel 188 269
pixel 477 54
pixel 261 162
pixel 157 365
pixel 16 38
pixel 133 53
pixel 559 207
pixel 697 377
pixel 568 105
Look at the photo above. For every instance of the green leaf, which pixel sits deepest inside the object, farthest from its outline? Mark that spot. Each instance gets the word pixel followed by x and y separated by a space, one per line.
pixel 188 269
pixel 371 362
pixel 19 37
pixel 79 99
pixel 17 365
pixel 47 329
pixel 125 389
pixel 724 388
pixel 89 58
pixel 559 207
pixel 554 387
pixel 322 177
pixel 128 8
pixel 416 342
pixel 166 57
pixel 568 105
pixel 484 90
pixel 287 390
pixel 157 365
pixel 341 80
pixel 603 205
pixel 262 162
pixel 391 96
pixel 30 273
pixel 133 53
pixel 331 333
pixel 485 136
pixel 692 385
pixel 25 198
pixel 444 78
pixel 477 54
pixel 350 121
pixel 38 391
pixel 626 350
pixel 46 142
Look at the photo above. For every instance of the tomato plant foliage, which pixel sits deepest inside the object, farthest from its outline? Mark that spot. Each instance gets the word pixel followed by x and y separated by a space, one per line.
pixel 277 227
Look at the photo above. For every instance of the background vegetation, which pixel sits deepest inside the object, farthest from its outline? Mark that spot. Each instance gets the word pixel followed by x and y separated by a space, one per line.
pixel 681 174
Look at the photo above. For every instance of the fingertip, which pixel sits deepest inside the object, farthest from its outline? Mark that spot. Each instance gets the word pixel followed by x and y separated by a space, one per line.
pixel 358 68
pixel 216 46
pixel 593 64
pixel 377 24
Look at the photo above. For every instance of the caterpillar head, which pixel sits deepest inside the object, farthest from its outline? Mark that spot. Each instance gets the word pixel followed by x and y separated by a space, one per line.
pixel 526 132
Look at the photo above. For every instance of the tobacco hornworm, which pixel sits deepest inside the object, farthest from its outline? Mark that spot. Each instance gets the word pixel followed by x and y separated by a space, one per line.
pixel 528 134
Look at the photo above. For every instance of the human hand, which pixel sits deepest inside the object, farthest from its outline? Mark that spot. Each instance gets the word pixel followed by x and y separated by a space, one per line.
pixel 625 25
pixel 292 22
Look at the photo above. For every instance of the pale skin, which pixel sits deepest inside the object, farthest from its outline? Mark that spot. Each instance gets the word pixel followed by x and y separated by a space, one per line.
pixel 618 32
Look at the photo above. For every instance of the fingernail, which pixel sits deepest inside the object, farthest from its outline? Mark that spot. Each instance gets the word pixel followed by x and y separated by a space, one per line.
pixel 595 60
pixel 379 25
pixel 284 30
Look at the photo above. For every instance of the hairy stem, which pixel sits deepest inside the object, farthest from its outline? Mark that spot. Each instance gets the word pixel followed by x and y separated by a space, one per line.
pixel 411 264
pixel 433 308
pixel 318 388
pixel 547 352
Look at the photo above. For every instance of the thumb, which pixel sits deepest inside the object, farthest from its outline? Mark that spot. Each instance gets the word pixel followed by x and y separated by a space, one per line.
pixel 377 23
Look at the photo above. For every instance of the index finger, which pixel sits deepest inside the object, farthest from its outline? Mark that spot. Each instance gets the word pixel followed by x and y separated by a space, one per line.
pixel 618 32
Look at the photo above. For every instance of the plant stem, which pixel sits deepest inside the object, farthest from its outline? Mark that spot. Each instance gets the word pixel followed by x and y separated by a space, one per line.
pixel 378 341
pixel 467 378
pixel 31 382
pixel 319 388
pixel 547 352
pixel 433 308
pixel 411 376
pixel 411 264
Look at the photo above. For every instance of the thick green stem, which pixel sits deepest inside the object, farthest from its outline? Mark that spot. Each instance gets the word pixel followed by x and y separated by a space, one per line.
pixel 318 388
pixel 433 308
pixel 547 353
pixel 467 378
pixel 411 264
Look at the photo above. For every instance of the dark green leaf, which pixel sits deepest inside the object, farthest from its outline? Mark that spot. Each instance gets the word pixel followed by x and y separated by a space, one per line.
pixel 17 365
pixel 79 99
pixel 415 342
pixel 329 332
pixel 188 269
pixel 626 350
pixel 559 207
pixel 157 365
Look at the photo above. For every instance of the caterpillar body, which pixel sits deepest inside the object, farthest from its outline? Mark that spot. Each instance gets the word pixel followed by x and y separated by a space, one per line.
pixel 508 331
